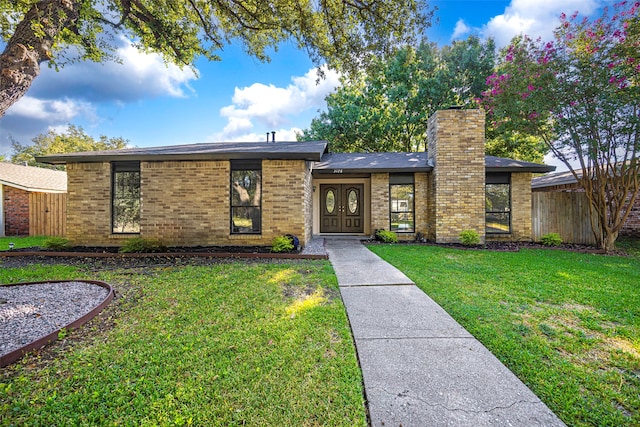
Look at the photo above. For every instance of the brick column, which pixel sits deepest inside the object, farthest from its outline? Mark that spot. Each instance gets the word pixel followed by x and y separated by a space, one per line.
pixel 456 148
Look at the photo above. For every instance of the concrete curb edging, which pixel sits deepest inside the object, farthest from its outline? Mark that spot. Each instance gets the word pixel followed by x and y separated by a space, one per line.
pixel 16 354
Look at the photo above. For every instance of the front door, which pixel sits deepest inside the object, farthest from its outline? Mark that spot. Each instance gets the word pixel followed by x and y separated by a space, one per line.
pixel 341 208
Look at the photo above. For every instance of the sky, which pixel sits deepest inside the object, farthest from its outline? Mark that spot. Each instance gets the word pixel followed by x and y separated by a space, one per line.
pixel 239 98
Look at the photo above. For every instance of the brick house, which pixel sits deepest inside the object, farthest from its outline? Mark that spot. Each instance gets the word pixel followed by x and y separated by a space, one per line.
pixel 249 193
pixel 20 190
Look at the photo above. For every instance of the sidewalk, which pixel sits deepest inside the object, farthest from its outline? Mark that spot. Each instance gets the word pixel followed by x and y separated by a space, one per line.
pixel 420 367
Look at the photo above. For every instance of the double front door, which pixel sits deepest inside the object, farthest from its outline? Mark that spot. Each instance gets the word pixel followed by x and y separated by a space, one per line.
pixel 341 208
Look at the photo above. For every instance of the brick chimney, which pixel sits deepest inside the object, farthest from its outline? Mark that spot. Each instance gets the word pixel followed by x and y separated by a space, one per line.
pixel 455 147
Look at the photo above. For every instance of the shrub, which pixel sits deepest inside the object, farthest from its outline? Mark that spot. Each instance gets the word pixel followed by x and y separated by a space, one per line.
pixel 56 243
pixel 282 244
pixel 469 238
pixel 140 245
pixel 551 239
pixel 386 236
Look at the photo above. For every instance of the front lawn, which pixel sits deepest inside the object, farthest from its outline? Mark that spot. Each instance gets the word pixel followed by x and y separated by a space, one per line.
pixel 20 242
pixel 219 345
pixel 567 324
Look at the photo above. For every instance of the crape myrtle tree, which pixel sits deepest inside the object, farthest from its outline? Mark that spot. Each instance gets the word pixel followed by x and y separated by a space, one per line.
pixel 387 106
pixel 345 34
pixel 581 94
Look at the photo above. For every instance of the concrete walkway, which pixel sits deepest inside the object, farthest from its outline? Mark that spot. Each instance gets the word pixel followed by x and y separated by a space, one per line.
pixel 420 367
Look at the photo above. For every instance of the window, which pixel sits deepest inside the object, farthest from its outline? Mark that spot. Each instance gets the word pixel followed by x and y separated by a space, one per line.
pixel 246 196
pixel 401 204
pixel 125 197
pixel 498 203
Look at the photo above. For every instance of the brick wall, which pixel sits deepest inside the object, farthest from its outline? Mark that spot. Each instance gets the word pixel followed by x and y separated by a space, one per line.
pixel 456 147
pixel 421 201
pixel 379 201
pixel 187 203
pixel 285 204
pixel 16 211
pixel 89 204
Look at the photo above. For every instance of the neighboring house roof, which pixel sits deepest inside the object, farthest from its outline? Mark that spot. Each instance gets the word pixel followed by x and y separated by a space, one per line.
pixel 554 179
pixel 30 178
pixel 500 164
pixel 312 151
pixel 368 162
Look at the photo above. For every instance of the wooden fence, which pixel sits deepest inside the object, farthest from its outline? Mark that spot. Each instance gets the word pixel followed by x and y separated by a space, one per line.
pixel 47 214
pixel 565 213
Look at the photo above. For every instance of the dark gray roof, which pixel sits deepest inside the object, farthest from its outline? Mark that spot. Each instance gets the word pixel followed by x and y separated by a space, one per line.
pixel 500 164
pixel 553 179
pixel 213 151
pixel 372 162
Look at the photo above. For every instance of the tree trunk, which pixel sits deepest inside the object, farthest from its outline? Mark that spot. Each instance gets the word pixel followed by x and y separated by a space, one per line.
pixel 609 242
pixel 30 45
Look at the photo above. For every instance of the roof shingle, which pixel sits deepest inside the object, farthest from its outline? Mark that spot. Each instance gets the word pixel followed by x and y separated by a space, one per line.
pixel 30 178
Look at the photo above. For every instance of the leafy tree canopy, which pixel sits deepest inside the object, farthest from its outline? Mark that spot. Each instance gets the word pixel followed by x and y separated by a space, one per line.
pixel 387 108
pixel 73 140
pixel 581 94
pixel 344 34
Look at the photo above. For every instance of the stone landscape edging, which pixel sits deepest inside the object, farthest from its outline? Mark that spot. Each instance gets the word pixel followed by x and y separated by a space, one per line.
pixel 16 354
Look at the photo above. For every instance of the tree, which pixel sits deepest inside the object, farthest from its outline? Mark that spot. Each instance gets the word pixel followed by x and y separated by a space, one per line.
pixel 581 95
pixel 387 108
pixel 345 34
pixel 73 140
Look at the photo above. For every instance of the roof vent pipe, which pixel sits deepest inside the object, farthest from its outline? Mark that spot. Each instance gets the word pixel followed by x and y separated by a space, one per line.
pixel 273 136
pixel 267 136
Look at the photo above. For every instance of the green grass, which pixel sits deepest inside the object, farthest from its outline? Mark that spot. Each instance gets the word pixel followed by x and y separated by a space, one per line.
pixel 630 245
pixel 567 324
pixel 22 242
pixel 228 344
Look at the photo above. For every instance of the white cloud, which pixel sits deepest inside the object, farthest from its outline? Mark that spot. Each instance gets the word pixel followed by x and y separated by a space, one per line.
pixel 56 110
pixel 274 106
pixel 460 30
pixel 535 18
pixel 139 75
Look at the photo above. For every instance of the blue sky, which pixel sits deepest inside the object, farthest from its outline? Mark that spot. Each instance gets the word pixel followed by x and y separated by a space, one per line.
pixel 239 98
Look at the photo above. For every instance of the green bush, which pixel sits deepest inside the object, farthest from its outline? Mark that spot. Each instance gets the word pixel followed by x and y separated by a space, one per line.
pixel 469 238
pixel 386 236
pixel 551 239
pixel 282 244
pixel 140 245
pixel 56 243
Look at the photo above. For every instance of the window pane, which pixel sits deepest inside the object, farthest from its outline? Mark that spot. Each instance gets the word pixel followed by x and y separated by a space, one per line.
pixel 245 219
pixel 126 202
pixel 498 208
pixel 401 198
pixel 497 198
pixel 498 223
pixel 401 204
pixel 402 222
pixel 246 195
pixel 245 186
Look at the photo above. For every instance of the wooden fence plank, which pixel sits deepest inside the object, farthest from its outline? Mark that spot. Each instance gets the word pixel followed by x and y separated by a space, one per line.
pixel 47 214
pixel 565 213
